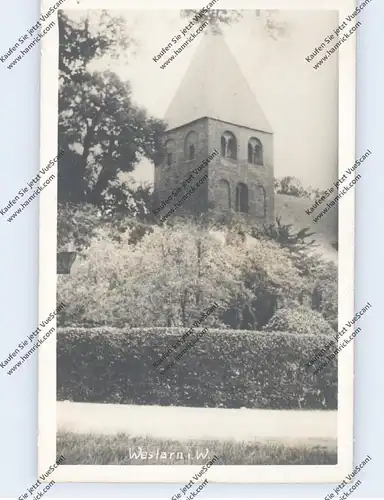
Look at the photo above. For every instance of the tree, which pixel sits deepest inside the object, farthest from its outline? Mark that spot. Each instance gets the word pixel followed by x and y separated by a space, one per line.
pixel 135 274
pixel 267 18
pixel 172 274
pixel 79 224
pixel 105 135
pixel 88 39
pixel 276 184
pixel 274 27
pixel 214 16
pixel 185 270
pixel 319 277
pixel 131 198
pixel 168 278
pixel 324 282
pixel 76 225
pixel 286 236
pixel 291 186
pixel 100 129
pixel 268 279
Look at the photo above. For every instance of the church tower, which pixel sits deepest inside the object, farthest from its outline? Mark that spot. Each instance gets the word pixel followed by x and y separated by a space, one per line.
pixel 214 108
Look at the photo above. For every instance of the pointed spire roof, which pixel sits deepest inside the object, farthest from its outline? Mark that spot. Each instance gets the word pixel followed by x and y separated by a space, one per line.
pixel 214 86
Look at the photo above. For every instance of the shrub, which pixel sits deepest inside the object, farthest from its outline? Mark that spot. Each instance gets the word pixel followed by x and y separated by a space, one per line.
pixel 300 320
pixel 325 292
pixel 226 368
pixel 291 186
pixel 77 225
pixel 171 274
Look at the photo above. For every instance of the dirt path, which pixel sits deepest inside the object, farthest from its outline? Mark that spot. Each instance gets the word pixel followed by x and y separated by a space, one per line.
pixel 198 423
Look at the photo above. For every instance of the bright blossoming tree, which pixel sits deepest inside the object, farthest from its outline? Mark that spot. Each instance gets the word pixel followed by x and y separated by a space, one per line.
pixel 173 274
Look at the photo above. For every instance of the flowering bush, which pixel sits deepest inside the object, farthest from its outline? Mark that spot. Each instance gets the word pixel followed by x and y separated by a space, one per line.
pixel 299 319
pixel 172 274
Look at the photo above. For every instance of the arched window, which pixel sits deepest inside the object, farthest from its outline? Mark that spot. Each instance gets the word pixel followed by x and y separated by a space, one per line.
pixel 255 151
pixel 250 152
pixel 260 201
pixel 190 146
pixel 170 152
pixel 242 198
pixel 223 146
pixel 229 145
pixel 223 198
pixel 232 148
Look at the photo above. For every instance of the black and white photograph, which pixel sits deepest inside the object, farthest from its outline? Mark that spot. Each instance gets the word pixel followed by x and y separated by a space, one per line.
pixel 197 293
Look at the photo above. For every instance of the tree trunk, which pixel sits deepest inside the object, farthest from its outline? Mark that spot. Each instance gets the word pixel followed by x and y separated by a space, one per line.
pixel 86 148
pixel 107 173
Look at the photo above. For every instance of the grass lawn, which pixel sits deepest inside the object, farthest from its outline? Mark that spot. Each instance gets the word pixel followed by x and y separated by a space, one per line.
pixel 122 449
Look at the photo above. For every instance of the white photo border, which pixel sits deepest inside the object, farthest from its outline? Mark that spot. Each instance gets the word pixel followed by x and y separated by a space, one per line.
pixel 178 474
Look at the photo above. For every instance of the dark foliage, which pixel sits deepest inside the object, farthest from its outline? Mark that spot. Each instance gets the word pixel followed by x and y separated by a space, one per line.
pixel 286 236
pixel 101 130
pixel 291 186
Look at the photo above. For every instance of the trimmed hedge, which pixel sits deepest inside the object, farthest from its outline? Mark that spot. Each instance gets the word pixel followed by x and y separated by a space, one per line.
pixel 226 368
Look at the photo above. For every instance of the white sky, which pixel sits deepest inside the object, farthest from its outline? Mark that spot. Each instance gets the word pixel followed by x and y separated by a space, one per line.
pixel 300 103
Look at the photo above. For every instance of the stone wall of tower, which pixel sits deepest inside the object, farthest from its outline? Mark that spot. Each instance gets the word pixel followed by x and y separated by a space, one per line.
pixel 169 178
pixel 235 171
pixel 259 179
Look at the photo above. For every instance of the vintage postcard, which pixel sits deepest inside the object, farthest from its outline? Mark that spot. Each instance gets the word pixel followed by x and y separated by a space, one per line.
pixel 197 241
